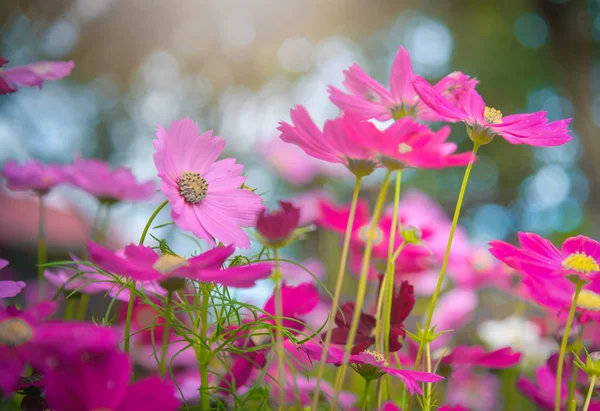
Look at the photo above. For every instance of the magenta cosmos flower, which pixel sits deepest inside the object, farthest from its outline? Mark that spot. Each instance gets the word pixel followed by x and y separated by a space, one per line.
pixel 207 197
pixel 278 225
pixel 371 365
pixel 539 257
pixel 100 381
pixel 32 175
pixel 407 143
pixel 368 99
pixel 107 184
pixel 32 75
pixel 484 122
pixel 476 356
pixel 9 288
pixel 333 144
pixel 142 263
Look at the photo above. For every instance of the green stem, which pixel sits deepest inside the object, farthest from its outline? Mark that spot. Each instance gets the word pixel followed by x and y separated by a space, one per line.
pixel 279 329
pixel 563 346
pixel 588 398
pixel 365 399
pixel 576 351
pixel 84 301
pixel 204 384
pixel 338 290
pixel 427 406
pixel 42 252
pixel 165 339
pixel 438 288
pixel 362 288
pixel 132 289
pixel 70 308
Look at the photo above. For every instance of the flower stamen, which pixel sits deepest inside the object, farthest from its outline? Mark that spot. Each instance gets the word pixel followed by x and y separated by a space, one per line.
pixel 588 300
pixel 168 262
pixel 377 356
pixel 404 148
pixel 365 232
pixel 193 187
pixel 14 332
pixel 492 115
pixel 581 262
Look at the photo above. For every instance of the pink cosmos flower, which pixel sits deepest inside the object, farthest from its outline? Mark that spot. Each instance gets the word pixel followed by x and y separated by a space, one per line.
pixel 369 99
pixel 543 388
pixel 453 408
pixel 484 122
pixel 100 380
pixel 277 226
pixel 9 289
pixel 371 365
pixel 539 257
pixel 207 197
pixel 144 264
pixel 32 175
pixel 32 75
pixel 476 356
pixel 454 310
pixel 476 391
pixel 480 269
pixel 107 184
pixel 304 272
pixel 407 143
pixel 390 406
pixel 333 144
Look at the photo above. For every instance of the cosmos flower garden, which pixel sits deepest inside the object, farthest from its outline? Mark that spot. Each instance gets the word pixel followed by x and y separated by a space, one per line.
pixel 175 337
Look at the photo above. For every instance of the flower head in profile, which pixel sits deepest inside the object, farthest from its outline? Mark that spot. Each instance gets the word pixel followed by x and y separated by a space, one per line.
pixel 109 185
pixel 100 381
pixel 206 196
pixel 542 389
pixel 407 143
pixel 32 75
pixel 476 356
pixel 368 99
pixel 9 289
pixel 277 227
pixel 484 122
pixel 333 144
pixel 144 264
pixel 539 257
pixel 32 175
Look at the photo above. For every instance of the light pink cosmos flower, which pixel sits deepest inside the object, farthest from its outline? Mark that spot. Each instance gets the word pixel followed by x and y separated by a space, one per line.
pixel 472 391
pixel 476 356
pixel 542 389
pixel 368 99
pixel 207 197
pixel 32 75
pixel 9 289
pixel 107 184
pixel 480 269
pixel 454 310
pixel 371 365
pixel 407 143
pixel 484 122
pixel 539 257
pixel 333 144
pixel 32 175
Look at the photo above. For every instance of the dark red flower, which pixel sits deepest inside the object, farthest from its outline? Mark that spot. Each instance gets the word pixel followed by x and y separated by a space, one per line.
pixel 278 225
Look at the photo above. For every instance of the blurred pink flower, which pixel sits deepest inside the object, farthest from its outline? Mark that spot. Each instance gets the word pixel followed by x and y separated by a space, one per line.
pixel 144 264
pixel 453 311
pixel 389 406
pixel 97 178
pixel 480 269
pixel 333 144
pixel 407 143
pixel 305 271
pixel 453 408
pixel 475 391
pixel 32 175
pixel 9 289
pixel 207 197
pixel 32 75
pixel 369 99
pixel 542 389
pixel 278 225
pixel 485 122
pixel 476 356
pixel 309 203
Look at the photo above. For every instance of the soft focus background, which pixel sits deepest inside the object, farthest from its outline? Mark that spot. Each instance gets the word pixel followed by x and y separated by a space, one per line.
pixel 238 66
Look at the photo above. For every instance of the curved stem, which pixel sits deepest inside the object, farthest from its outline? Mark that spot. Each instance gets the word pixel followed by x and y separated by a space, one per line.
pixel 165 339
pixel 338 290
pixel 576 351
pixel 563 347
pixel 438 287
pixel 279 329
pixel 42 253
pixel 149 223
pixel 588 398
pixel 365 399
pixel 204 384
pixel 362 288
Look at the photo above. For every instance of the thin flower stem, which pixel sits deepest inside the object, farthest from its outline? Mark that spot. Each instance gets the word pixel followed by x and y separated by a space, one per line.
pixel 365 399
pixel 279 329
pixel 438 287
pixel 427 406
pixel 165 340
pixel 588 398
pixel 84 302
pixel 42 253
pixel 132 283
pixel 362 288
pixel 576 351
pixel 204 384
pixel 70 308
pixel 563 346
pixel 338 290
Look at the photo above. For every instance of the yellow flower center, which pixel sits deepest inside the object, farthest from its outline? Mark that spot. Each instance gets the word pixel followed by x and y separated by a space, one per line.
pixel 365 232
pixel 581 263
pixel 588 300
pixel 377 355
pixel 14 332
pixel 193 187
pixel 492 116
pixel 169 262
pixel 404 148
